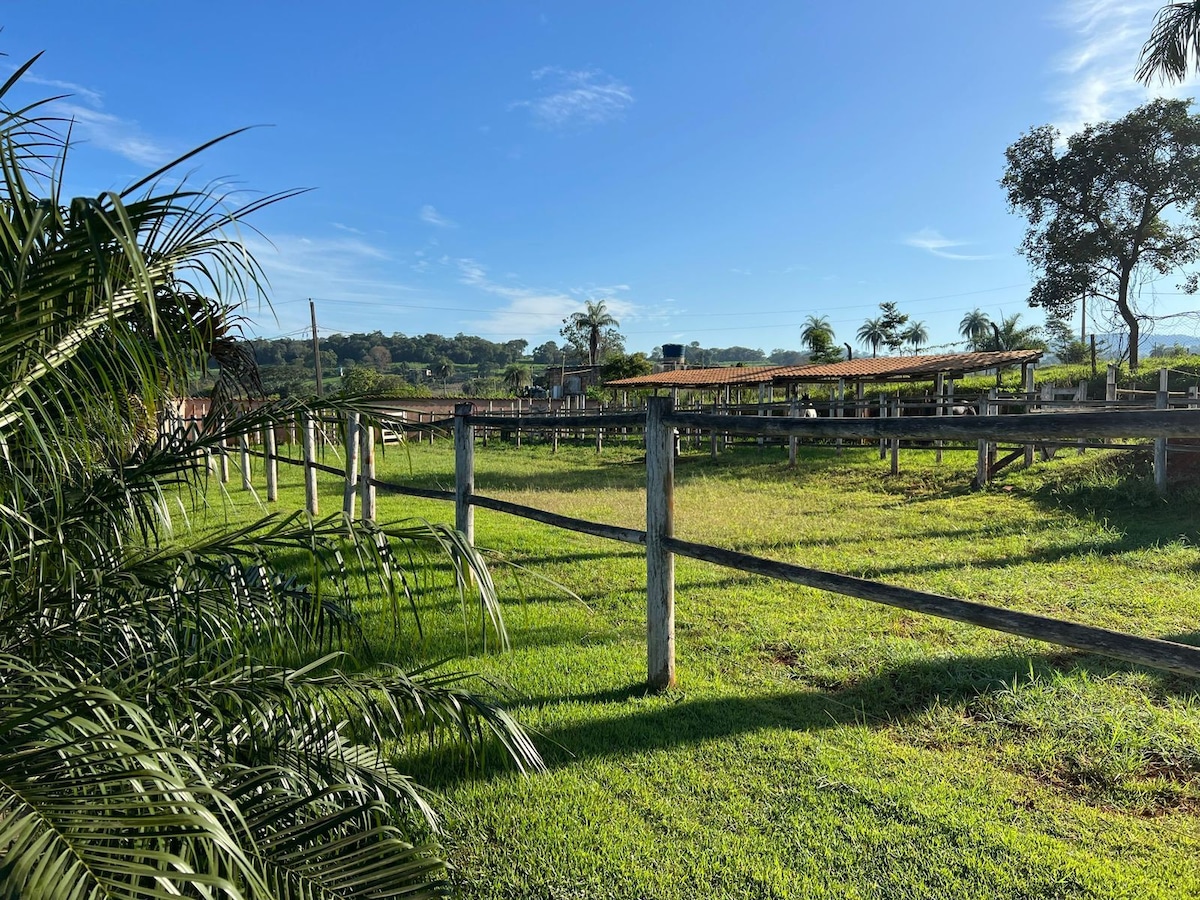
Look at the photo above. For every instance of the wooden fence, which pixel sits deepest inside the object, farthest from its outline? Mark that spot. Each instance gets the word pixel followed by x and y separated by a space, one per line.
pixel 662 423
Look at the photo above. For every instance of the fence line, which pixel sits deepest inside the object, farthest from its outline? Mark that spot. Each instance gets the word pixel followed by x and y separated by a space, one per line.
pixel 661 423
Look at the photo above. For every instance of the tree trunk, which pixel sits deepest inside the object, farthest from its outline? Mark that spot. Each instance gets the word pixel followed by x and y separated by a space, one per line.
pixel 1131 320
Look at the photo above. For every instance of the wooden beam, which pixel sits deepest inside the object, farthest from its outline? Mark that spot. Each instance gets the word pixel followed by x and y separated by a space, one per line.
pixel 1159 654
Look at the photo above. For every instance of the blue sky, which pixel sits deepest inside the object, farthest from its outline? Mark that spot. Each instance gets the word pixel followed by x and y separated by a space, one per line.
pixel 714 171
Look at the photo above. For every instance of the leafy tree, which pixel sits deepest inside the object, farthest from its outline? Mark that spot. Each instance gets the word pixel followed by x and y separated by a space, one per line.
pixel 625 366
pixel 1118 202
pixel 1174 44
pixel 177 715
pixel 380 357
pixel 781 357
pixel 916 336
pixel 594 328
pixel 443 368
pixel 974 326
pixel 547 354
pixel 892 322
pixel 360 380
pixel 872 333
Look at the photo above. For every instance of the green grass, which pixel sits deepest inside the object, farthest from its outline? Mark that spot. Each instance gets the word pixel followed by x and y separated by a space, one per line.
pixel 817 745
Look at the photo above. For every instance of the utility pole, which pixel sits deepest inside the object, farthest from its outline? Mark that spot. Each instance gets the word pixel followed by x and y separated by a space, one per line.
pixel 1083 318
pixel 312 308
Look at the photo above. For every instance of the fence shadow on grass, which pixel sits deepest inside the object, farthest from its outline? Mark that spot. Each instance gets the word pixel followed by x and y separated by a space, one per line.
pixel 629 721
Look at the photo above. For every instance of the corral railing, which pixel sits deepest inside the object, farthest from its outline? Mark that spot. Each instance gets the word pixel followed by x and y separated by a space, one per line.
pixel 661 424
pixel 662 546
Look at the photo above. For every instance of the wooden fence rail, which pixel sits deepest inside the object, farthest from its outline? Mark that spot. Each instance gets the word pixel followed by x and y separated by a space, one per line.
pixel 661 423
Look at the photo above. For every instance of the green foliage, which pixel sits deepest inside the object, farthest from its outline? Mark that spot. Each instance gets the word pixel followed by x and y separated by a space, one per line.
pixel 623 365
pixel 1117 202
pixel 1174 44
pixel 179 713
pixel 592 334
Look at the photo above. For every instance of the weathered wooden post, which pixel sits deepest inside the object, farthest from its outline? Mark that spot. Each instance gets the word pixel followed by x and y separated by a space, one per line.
pixel 464 471
pixel 244 452
pixel 1030 397
pixel 712 435
pixel 518 423
pixel 351 486
pixel 895 466
pixel 310 472
pixel 794 440
pixel 272 462
pixel 660 562
pixel 762 411
pixel 939 408
pixel 1081 396
pixel 366 489
pixel 883 411
pixel 1161 401
pixel 1110 384
pixel 840 410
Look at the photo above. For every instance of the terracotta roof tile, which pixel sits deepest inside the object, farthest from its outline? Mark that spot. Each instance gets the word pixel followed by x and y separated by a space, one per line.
pixel 882 368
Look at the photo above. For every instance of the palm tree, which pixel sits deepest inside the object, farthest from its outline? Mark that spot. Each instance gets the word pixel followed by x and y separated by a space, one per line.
pixel 916 336
pixel 592 321
pixel 1009 335
pixel 1174 44
pixel 816 333
pixel 974 327
pixel 517 376
pixel 872 334
pixel 177 717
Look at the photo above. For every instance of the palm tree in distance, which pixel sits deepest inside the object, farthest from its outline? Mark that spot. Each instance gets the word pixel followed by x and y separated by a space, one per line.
pixel 1174 44
pixel 1009 335
pixel 872 334
pixel 592 320
pixel 816 333
pixel 974 327
pixel 916 336
pixel 517 376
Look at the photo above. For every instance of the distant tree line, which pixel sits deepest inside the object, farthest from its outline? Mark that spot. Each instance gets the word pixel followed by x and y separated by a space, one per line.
pixel 379 351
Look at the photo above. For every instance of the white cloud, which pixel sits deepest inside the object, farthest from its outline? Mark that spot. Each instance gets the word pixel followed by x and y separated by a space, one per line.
pixel 92 97
pixel 537 313
pixel 931 239
pixel 1098 70
pixel 431 216
pixel 108 132
pixel 349 275
pixel 576 100
pixel 340 227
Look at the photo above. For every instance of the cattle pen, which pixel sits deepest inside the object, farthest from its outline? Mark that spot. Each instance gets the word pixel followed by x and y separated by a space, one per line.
pixel 661 424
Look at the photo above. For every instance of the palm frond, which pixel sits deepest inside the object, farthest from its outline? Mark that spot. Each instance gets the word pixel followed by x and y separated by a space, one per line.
pixel 1174 45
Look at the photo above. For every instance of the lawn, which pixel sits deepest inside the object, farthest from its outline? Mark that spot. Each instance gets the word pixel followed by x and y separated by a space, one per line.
pixel 817 745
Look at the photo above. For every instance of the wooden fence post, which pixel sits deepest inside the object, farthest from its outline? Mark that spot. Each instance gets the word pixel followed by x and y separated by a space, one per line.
pixel 883 411
pixel 271 462
pixel 793 441
pixel 366 455
pixel 244 453
pixel 310 473
pixel 939 409
pixel 1161 401
pixel 839 411
pixel 660 562
pixel 464 472
pixel 351 485
pixel 895 466
pixel 1110 384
